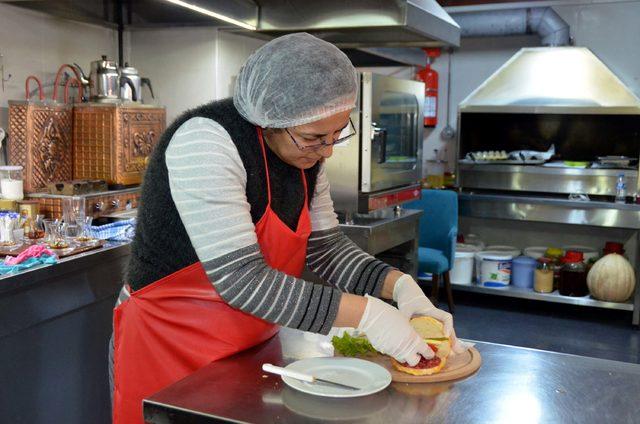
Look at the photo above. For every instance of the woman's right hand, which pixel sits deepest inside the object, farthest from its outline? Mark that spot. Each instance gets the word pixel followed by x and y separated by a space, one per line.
pixel 390 333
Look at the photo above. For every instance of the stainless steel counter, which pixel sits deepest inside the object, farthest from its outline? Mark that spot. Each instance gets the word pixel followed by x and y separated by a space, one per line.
pixel 545 179
pixel 542 209
pixel 394 234
pixel 513 385
pixel 55 323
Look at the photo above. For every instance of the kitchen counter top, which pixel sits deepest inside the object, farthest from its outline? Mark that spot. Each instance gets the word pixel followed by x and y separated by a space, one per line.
pixel 513 385
pixel 44 292
pixel 31 276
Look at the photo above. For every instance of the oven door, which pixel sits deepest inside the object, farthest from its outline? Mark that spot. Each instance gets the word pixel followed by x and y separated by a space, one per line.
pixel 391 132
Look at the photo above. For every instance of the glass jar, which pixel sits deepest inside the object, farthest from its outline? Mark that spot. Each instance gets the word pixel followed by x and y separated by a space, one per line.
pixel 555 254
pixel 11 183
pixel 435 174
pixel 543 278
pixel 573 276
pixel 34 228
pixel 8 223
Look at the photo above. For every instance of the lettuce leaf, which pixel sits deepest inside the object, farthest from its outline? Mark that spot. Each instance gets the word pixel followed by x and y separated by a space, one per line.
pixel 352 346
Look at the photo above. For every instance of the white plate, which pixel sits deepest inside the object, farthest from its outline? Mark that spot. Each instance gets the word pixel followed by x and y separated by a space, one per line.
pixel 370 377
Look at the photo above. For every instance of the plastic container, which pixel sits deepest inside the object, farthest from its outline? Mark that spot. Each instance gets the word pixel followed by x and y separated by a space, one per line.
pixel 588 253
pixel 495 269
pixel 462 271
pixel 11 182
pixel 573 276
pixel 554 253
pixel 535 252
pixel 543 279
pixel 474 240
pixel 522 271
pixel 507 250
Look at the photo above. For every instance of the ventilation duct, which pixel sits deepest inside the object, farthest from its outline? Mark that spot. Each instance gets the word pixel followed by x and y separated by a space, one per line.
pixel 544 21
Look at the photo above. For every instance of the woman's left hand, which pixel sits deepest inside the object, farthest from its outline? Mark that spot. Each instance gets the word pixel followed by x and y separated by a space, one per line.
pixel 412 301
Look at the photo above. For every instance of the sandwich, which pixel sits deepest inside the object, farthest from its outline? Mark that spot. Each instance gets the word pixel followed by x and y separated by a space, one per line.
pixel 432 331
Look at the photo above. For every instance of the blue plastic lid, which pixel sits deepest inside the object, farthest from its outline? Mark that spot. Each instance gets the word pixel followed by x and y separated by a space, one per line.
pixel 524 260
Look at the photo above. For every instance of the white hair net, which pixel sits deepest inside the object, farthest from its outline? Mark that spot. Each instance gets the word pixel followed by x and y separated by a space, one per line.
pixel 293 80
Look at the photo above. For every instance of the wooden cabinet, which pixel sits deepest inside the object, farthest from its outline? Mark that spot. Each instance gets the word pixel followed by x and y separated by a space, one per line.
pixel 112 142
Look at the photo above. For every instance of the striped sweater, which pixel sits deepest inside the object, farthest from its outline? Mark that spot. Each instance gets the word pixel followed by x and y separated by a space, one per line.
pixel 217 188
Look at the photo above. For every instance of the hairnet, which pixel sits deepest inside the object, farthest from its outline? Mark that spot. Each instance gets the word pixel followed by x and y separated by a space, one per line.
pixel 293 80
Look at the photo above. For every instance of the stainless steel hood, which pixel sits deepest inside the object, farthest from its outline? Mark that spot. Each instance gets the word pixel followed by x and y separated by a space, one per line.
pixel 362 23
pixel 553 80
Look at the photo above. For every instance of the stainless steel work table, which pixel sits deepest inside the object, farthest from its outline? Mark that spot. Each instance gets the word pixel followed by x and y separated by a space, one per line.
pixel 513 385
pixel 558 211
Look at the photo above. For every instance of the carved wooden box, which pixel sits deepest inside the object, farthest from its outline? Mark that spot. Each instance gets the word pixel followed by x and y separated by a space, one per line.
pixel 40 139
pixel 112 142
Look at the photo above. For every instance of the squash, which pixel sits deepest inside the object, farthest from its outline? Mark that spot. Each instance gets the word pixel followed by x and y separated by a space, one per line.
pixel 611 279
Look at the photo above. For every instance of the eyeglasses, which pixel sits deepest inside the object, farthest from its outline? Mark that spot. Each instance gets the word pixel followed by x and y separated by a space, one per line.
pixel 323 143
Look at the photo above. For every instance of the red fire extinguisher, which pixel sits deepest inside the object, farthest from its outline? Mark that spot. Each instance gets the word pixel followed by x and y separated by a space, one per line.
pixel 430 79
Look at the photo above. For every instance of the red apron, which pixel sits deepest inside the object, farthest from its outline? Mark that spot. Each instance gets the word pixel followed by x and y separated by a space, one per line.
pixel 178 324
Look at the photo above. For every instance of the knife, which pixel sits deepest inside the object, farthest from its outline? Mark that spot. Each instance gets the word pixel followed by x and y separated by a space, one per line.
pixel 303 377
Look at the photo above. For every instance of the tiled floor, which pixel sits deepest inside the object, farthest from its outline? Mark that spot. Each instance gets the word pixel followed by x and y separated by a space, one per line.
pixel 582 331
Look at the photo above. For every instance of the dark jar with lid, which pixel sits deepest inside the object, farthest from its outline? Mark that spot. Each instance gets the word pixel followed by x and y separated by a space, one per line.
pixel 573 276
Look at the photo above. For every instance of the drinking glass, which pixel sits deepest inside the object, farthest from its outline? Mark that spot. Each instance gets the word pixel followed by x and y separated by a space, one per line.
pixel 86 232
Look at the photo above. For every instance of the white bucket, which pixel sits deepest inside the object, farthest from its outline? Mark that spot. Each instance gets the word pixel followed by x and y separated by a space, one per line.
pixel 474 240
pixel 507 250
pixel 462 271
pixel 495 269
pixel 535 252
pixel 478 261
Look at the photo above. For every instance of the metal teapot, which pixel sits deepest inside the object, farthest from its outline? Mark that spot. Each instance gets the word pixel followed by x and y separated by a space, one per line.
pixel 106 82
pixel 131 73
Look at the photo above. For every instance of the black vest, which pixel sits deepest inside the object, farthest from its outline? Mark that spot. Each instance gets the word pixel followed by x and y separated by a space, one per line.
pixel 161 245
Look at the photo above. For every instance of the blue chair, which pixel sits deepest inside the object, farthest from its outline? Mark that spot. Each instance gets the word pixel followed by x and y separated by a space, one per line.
pixel 438 233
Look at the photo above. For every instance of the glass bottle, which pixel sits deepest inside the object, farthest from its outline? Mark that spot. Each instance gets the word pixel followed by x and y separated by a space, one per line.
pixel 573 277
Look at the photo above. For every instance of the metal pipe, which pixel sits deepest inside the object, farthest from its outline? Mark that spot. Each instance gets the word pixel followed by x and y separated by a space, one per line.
pixel 119 20
pixel 544 21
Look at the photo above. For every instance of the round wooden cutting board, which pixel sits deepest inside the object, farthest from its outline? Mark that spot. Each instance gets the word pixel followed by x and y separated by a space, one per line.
pixel 458 366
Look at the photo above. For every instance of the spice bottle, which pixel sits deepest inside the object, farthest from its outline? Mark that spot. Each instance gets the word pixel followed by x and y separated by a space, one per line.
pixel 555 254
pixel 543 279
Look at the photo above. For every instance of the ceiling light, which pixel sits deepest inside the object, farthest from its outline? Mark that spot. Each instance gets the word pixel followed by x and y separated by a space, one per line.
pixel 211 13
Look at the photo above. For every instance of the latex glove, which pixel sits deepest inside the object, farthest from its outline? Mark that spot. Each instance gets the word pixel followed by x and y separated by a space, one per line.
pixel 412 301
pixel 390 332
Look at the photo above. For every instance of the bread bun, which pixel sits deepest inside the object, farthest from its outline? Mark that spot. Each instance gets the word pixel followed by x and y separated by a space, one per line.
pixel 432 331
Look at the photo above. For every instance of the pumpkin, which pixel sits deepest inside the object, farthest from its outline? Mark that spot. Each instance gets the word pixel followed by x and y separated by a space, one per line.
pixel 611 279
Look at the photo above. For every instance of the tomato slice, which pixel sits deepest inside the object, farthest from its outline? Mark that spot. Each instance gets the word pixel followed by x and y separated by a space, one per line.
pixel 426 363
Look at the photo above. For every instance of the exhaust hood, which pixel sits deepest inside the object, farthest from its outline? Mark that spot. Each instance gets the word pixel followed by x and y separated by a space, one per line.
pixel 346 23
pixel 362 23
pixel 553 80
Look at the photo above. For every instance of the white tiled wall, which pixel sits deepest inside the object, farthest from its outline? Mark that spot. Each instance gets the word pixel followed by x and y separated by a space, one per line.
pixel 190 66
pixel 35 43
pixel 180 63
pixel 187 66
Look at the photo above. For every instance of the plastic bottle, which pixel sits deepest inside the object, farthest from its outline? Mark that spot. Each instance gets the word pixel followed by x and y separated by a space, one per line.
pixel 621 189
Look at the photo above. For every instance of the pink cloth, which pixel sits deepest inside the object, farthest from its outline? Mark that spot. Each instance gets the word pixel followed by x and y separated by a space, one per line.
pixel 34 251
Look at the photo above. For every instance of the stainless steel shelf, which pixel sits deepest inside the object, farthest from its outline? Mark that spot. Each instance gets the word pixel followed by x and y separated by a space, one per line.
pixel 522 293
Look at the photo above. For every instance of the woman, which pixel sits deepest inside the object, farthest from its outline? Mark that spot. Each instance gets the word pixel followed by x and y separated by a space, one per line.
pixel 234 204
